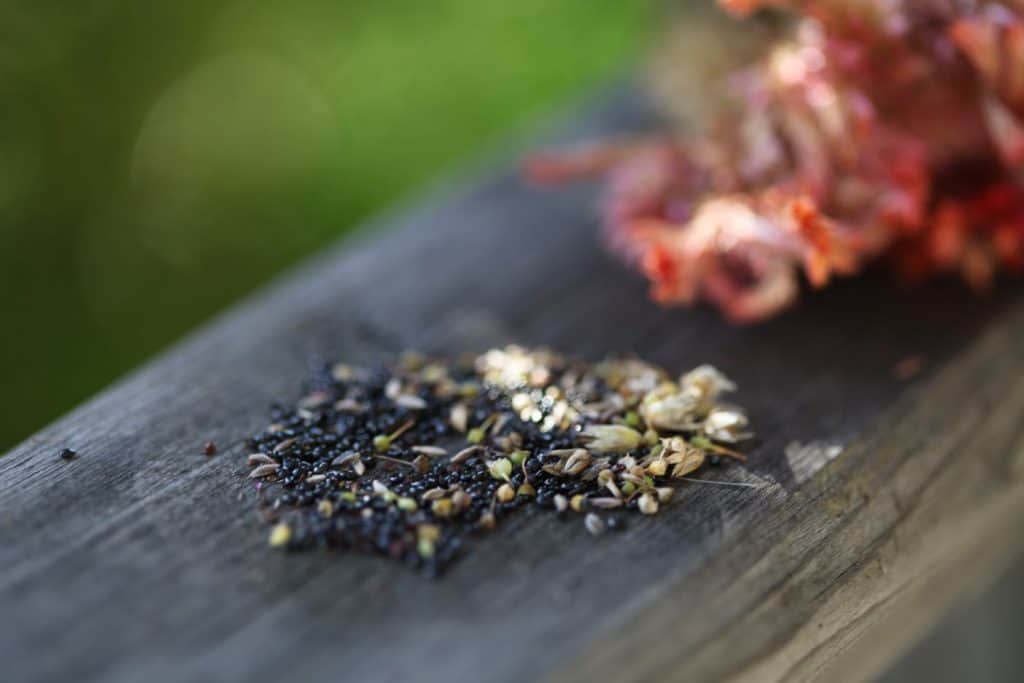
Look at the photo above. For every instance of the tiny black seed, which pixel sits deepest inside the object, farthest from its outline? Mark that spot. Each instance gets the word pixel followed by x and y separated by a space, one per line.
pixel 376 501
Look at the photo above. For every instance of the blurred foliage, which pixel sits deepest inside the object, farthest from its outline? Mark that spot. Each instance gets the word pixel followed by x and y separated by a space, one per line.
pixel 158 160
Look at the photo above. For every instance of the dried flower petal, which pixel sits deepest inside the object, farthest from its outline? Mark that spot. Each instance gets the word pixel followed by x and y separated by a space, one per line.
pixel 820 163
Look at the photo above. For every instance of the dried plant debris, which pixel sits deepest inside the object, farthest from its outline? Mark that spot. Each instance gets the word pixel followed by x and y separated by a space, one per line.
pixel 410 461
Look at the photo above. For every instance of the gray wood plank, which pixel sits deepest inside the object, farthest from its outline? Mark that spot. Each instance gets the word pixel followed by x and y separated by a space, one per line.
pixel 143 559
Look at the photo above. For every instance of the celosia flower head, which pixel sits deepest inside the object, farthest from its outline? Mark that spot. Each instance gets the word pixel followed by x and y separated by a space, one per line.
pixel 846 143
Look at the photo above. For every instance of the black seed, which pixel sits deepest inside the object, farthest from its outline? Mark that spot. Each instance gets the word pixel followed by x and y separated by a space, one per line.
pixel 383 522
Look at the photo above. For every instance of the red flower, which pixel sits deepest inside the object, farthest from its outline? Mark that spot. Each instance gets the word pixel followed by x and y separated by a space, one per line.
pixel 881 126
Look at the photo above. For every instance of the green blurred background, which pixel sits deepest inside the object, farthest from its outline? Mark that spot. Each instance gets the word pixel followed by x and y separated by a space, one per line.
pixel 158 160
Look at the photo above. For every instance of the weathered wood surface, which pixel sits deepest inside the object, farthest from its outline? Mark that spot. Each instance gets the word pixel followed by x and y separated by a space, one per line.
pixel 144 560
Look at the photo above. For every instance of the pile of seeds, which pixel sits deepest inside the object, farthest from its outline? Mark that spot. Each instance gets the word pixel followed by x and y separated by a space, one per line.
pixel 411 460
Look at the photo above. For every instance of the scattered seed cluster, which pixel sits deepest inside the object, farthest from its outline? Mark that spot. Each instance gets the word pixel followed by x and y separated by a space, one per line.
pixel 409 461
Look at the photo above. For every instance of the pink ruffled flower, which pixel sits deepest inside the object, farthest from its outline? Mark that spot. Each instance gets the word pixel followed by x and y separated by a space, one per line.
pixel 882 127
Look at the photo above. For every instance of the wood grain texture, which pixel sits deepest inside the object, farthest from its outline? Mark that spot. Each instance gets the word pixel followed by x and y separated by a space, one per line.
pixel 144 560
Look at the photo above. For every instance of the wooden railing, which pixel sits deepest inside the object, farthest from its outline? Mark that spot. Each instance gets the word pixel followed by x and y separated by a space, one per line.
pixel 881 501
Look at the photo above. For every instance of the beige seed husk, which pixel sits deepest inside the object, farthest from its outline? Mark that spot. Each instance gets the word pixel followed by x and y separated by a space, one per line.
pixel 430 451
pixel 632 478
pixel 263 471
pixel 344 459
pixel 280 535
pixel 421 463
pixel 553 470
pixel 393 388
pixel 255 459
pixel 657 467
pixel 526 489
pixel 647 504
pixel 461 500
pixel 348 405
pixel 691 461
pixel 577 462
pixel 611 426
pixel 442 507
pixel 459 417
pixel 465 454
pixel 434 494
pixel 285 445
pixel 505 493
pixel 410 401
